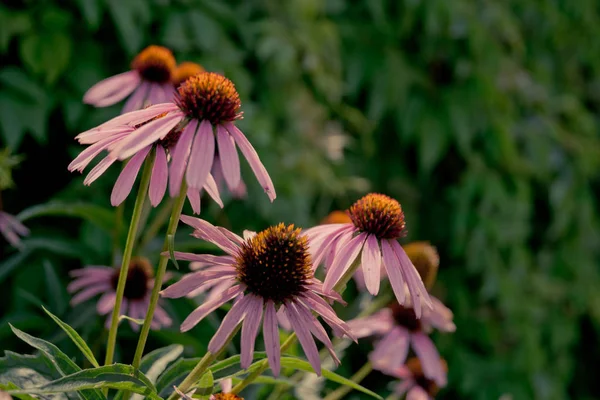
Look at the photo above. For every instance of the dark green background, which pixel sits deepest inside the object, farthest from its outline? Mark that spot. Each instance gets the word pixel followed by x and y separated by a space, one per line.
pixel 480 117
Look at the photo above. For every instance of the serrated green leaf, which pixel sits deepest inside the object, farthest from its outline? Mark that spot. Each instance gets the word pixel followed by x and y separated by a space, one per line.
pixel 298 364
pixel 116 376
pixel 74 336
pixel 99 216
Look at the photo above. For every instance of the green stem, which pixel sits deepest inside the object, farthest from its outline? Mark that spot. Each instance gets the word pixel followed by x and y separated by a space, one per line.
pixel 117 233
pixel 160 273
pixel 356 378
pixel 339 287
pixel 133 228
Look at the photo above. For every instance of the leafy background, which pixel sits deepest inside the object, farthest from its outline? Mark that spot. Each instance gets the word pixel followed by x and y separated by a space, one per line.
pixel 480 117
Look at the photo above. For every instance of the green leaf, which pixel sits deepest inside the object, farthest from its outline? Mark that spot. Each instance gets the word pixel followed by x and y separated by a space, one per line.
pixel 204 387
pixel 56 294
pixel 91 12
pixel 46 54
pixel 74 336
pixel 12 386
pixel 18 371
pixel 171 241
pixel 12 24
pixel 154 363
pixel 8 265
pixel 116 376
pixel 99 216
pixel 298 364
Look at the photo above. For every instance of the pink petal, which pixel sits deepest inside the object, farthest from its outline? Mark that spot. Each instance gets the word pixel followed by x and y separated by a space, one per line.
pixel 440 317
pixel 146 135
pixel 390 353
pixel 162 317
pixel 136 101
pixel 317 330
pixel 417 393
pixel 158 179
pixel 203 258
pixel 321 245
pixel 98 170
pixel 320 306
pixel 252 157
pixel 377 324
pixel 371 264
pixel 226 385
pixel 429 357
pixel 283 320
pixel 230 322
pixel 306 340
pixel 228 156
pixel 106 303
pixel 99 134
pixel 127 177
pixel 88 154
pixel 394 273
pixel 193 280
pixel 201 156
pixel 193 196
pixel 179 157
pixel 271 337
pixel 343 260
pixel 15 224
pixel 112 90
pixel 416 287
pixel 231 236
pixel 211 233
pixel 206 308
pixel 250 330
pixel 88 293
pixel 220 286
pixel 213 191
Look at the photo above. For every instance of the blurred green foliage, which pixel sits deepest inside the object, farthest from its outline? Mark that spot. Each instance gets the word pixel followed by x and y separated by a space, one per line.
pixel 480 117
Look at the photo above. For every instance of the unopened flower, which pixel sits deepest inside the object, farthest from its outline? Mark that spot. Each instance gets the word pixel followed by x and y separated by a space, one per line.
pixel 400 329
pixel 148 82
pixel 184 71
pixel 223 395
pixel 105 139
pixel 377 221
pixel 94 280
pixel 414 383
pixel 12 229
pixel 267 271
pixel 205 109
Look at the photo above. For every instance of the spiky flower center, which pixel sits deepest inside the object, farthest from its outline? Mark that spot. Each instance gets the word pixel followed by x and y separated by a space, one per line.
pixel 406 317
pixel 336 217
pixel 414 365
pixel 184 71
pixel 426 260
pixel 138 275
pixel 155 64
pixel 227 396
pixel 275 264
pixel 209 96
pixel 379 215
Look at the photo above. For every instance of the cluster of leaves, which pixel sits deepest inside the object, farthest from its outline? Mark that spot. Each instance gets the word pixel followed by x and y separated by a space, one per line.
pixel 480 117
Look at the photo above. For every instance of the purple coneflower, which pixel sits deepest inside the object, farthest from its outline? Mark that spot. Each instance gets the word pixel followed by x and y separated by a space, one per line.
pixel 414 383
pixel 267 271
pixel 94 280
pixel 400 328
pixel 148 82
pixel 12 229
pixel 105 139
pixel 206 107
pixel 377 223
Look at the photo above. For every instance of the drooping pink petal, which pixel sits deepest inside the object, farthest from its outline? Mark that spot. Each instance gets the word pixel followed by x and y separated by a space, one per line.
pixel 321 245
pixel 404 386
pixel 230 322
pixel 416 287
pixel 283 320
pixel 250 329
pixel 213 190
pixel 344 259
pixel 371 264
pixel 193 196
pixel 379 323
pixel 429 357
pixel 179 157
pixel 106 303
pixel 137 99
pixel 211 233
pixel 88 154
pixel 84 281
pixel 228 157
pixel 440 317
pixel 394 273
pixel 133 312
pixel 158 179
pixel 320 306
pixel 304 336
pixel 206 308
pixel 92 270
pixel 317 330
pixel 203 258
pixel 162 317
pixel 271 337
pixel 235 238
pixel 112 90
pixel 99 134
pixel 15 224
pixel 89 293
pixel 390 353
pixel 201 156
pixel 226 385
pixel 127 177
pixel 252 157
pixel 98 170
pixel 146 135
pixel 195 279
pixel 221 286
pixel 417 393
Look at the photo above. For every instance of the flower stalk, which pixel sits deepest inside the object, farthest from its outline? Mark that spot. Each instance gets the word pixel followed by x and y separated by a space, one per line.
pixel 356 378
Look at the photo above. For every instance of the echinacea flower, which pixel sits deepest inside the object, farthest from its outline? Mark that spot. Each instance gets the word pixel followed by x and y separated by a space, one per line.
pixel 105 139
pixel 148 82
pixel 414 383
pixel 399 328
pixel 184 71
pixel 377 222
pixel 94 280
pixel 266 271
pixel 206 107
pixel 12 229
